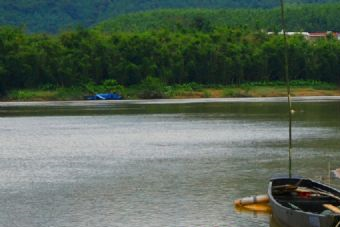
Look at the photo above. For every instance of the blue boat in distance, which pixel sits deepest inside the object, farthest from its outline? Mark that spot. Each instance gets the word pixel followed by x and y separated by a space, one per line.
pixel 107 96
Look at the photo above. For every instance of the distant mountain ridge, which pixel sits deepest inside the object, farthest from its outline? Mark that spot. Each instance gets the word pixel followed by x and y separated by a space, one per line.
pixel 55 15
pixel 306 17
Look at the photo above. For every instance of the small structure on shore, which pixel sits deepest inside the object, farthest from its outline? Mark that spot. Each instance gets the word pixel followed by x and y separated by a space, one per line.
pixel 311 35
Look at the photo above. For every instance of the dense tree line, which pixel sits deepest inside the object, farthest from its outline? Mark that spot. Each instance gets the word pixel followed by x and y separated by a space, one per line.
pixel 55 15
pixel 223 56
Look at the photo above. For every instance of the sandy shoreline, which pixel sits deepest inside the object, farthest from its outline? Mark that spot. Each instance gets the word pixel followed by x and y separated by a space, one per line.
pixel 170 101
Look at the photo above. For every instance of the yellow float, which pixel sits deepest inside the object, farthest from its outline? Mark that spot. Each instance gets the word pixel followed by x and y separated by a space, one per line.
pixel 258 203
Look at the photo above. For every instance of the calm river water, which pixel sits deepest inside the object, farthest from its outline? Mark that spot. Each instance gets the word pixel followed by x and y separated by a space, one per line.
pixel 154 164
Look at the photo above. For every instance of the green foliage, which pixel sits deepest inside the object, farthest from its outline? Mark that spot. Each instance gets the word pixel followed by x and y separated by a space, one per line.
pixel 181 90
pixel 207 94
pixel 236 92
pixel 2 84
pixel 113 86
pixel 194 86
pixel 152 88
pixel 293 83
pixel 185 60
pixel 312 17
pixel 108 86
pixel 230 92
pixel 318 85
pixel 53 16
pixel 43 95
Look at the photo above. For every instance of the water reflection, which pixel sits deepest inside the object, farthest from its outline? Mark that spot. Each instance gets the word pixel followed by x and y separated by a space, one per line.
pixel 255 215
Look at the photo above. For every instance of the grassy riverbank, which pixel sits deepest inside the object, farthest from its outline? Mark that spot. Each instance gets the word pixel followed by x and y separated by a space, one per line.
pixel 154 89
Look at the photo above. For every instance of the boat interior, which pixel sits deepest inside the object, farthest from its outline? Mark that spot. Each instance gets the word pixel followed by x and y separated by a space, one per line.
pixel 305 195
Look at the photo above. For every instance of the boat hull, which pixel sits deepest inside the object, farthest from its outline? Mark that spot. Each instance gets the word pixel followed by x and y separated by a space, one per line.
pixel 289 217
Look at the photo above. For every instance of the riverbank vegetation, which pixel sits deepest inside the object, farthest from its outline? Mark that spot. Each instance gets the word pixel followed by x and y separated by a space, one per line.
pixel 81 60
pixel 153 88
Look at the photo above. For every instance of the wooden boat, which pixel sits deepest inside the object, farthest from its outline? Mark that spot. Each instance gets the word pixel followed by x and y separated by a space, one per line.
pixel 301 202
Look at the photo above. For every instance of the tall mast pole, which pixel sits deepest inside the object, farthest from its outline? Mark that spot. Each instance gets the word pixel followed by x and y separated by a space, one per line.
pixel 286 71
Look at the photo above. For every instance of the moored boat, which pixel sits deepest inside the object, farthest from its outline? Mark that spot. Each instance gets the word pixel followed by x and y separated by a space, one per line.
pixel 301 202
pixel 108 96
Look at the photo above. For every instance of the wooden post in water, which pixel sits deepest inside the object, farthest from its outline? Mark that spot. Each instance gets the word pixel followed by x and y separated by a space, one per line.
pixel 283 21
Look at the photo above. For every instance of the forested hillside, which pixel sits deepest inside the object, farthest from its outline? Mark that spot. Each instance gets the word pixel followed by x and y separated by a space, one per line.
pixel 175 46
pixel 55 15
pixel 314 17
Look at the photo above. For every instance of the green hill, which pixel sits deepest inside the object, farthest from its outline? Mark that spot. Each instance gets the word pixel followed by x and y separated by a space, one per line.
pixel 315 17
pixel 55 15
